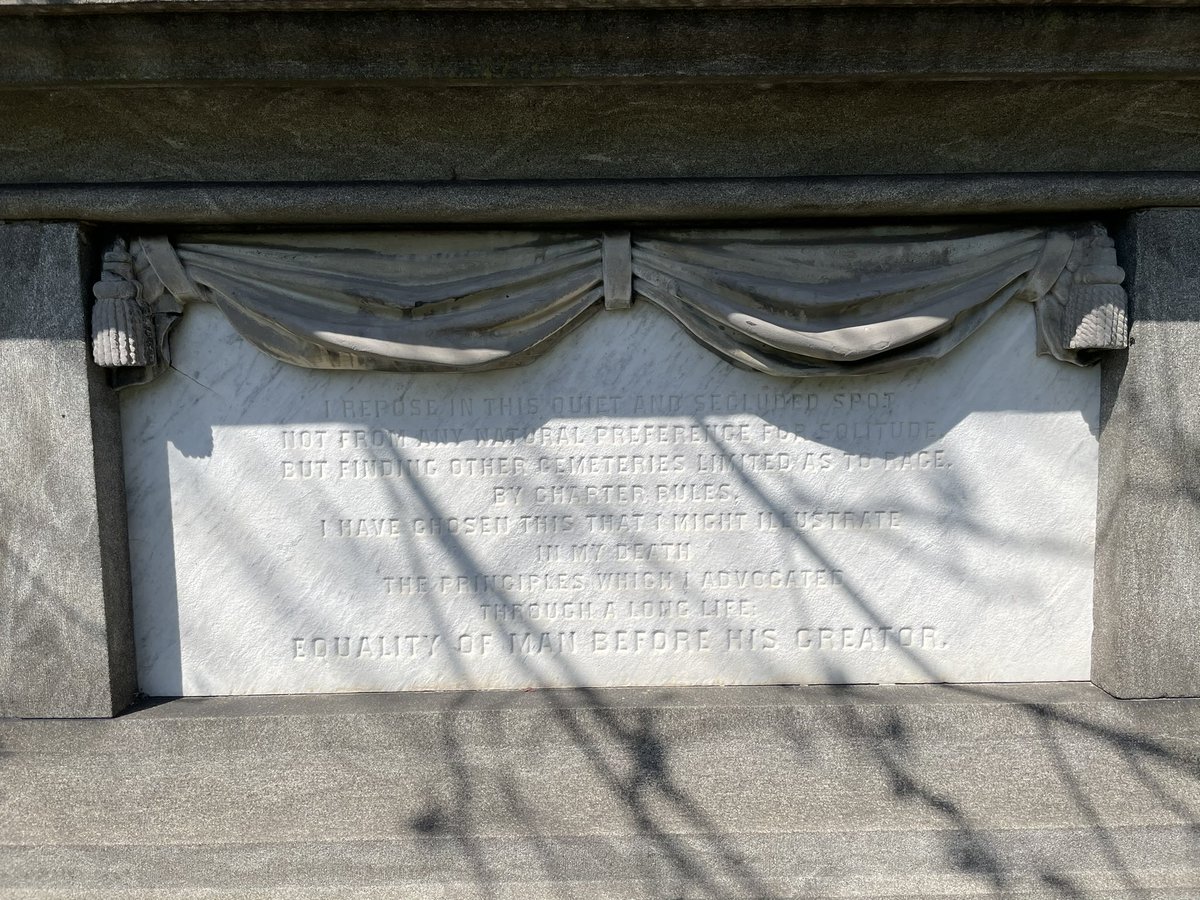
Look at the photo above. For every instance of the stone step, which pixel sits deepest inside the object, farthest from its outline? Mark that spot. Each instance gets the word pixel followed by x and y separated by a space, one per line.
pixel 1052 790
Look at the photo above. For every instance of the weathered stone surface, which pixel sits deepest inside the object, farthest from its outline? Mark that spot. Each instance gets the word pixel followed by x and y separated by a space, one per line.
pixel 92 7
pixel 600 94
pixel 303 132
pixel 497 202
pixel 1147 617
pixel 463 100
pixel 65 618
pixel 628 509
pixel 1045 791
pixel 59 7
pixel 605 94
pixel 283 43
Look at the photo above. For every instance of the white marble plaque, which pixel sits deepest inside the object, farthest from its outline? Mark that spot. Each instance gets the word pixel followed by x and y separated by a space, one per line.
pixel 628 510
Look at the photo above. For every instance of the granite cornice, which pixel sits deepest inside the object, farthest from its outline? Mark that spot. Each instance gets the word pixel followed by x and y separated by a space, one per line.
pixel 87 7
pixel 591 202
pixel 192 43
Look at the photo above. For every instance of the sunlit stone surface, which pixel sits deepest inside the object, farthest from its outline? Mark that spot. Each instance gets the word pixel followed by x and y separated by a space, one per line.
pixel 628 510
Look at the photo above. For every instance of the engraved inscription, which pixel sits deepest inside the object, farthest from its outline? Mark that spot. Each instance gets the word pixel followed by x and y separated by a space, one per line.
pixel 626 510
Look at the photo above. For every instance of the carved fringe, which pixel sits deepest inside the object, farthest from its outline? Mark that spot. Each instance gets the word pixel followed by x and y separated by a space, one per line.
pixel 1095 315
pixel 122 323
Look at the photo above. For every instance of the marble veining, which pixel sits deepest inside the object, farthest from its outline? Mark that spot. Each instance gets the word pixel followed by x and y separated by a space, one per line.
pixel 609 516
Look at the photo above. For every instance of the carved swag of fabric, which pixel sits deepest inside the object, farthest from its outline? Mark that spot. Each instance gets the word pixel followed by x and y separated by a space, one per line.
pixel 789 303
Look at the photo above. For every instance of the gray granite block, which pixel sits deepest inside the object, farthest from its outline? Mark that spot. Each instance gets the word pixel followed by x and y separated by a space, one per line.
pixel 1146 641
pixel 64 571
pixel 281 42
pixel 418 96
pixel 402 204
pixel 1049 790
pixel 310 133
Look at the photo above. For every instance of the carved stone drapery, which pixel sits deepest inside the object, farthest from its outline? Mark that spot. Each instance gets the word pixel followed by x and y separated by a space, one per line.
pixel 784 302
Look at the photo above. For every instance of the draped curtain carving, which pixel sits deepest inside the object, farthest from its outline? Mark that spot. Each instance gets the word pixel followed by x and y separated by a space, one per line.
pixel 783 302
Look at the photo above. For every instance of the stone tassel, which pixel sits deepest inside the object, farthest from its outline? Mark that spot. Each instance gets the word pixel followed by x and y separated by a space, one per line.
pixel 1095 316
pixel 122 323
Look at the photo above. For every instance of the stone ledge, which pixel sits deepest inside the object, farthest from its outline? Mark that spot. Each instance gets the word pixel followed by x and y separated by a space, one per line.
pixel 354 46
pixel 1003 790
pixel 590 201
pixel 61 7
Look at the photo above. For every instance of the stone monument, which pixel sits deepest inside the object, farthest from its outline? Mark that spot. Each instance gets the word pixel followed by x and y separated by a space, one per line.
pixel 762 471
pixel 602 448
